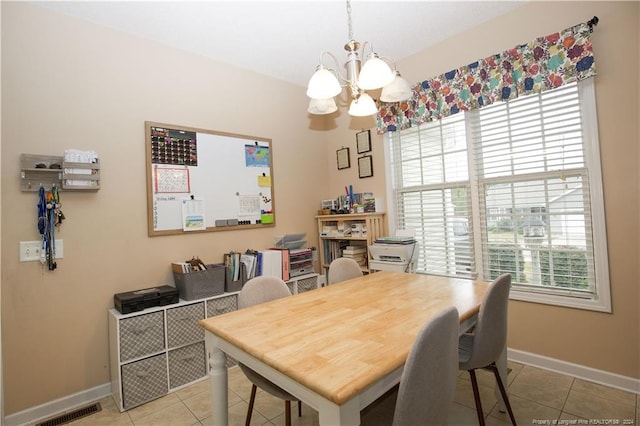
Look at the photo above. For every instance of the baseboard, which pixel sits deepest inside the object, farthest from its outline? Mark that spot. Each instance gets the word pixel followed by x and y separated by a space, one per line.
pixel 52 408
pixel 606 378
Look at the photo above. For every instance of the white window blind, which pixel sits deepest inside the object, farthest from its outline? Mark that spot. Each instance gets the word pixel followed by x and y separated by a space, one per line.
pixel 509 188
pixel 432 193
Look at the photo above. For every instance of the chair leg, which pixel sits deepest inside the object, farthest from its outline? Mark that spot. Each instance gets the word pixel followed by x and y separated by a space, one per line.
pixel 476 396
pixel 287 413
pixel 252 400
pixel 299 408
pixel 503 391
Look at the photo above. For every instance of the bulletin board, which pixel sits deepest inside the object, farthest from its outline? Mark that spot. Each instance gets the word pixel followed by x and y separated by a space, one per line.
pixel 205 181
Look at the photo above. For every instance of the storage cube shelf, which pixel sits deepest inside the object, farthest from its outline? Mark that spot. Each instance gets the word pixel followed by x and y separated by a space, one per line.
pixel 161 349
pixel 166 338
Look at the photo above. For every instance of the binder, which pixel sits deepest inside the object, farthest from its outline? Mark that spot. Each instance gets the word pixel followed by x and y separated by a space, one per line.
pixel 275 257
pixel 270 262
pixel 286 263
pixel 259 264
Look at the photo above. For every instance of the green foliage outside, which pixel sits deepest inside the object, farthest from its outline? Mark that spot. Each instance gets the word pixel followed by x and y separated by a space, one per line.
pixel 567 266
pixel 506 259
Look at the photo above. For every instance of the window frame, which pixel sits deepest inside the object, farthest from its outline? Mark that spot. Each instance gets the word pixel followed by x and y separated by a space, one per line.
pixel 601 299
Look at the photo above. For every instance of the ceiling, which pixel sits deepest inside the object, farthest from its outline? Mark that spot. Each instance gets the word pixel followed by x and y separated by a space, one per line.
pixel 284 39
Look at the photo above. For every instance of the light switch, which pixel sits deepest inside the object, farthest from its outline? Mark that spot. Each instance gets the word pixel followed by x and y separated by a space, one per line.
pixel 30 251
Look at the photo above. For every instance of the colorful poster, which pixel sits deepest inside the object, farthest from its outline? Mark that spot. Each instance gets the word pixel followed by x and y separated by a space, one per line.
pixel 257 156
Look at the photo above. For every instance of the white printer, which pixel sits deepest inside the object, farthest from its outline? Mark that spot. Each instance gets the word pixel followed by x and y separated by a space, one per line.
pixel 399 253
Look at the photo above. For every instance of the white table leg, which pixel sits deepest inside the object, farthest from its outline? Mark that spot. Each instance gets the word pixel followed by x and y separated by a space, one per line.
pixel 348 414
pixel 219 383
pixel 501 363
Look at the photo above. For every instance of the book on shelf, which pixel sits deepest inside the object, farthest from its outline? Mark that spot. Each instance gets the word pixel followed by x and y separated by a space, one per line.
pixel 356 257
pixel 232 262
pixel 357 250
pixel 356 245
pixel 358 230
pixel 181 267
pixel 192 265
pixel 278 262
pixel 249 259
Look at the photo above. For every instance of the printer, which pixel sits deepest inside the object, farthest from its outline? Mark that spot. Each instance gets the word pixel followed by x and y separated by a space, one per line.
pixel 399 253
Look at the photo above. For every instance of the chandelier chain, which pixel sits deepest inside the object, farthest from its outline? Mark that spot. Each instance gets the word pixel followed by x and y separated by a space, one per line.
pixel 349 20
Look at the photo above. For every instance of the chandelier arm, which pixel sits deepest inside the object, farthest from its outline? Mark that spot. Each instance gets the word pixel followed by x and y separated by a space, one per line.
pixel 378 73
pixel 335 70
pixel 390 62
pixel 362 52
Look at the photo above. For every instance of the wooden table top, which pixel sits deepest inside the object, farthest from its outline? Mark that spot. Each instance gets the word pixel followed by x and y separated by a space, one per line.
pixel 340 339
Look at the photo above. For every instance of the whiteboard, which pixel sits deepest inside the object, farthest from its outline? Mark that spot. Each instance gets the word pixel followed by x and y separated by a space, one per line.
pixel 202 181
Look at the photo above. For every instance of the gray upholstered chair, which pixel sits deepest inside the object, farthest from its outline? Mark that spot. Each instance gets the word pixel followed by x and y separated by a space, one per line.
pixel 482 347
pixel 258 290
pixel 428 383
pixel 342 269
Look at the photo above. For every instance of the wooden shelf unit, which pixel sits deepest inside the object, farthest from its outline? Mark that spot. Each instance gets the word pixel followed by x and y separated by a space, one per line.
pixel 373 223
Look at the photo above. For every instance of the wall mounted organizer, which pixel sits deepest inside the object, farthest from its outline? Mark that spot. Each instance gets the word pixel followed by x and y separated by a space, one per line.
pixel 51 170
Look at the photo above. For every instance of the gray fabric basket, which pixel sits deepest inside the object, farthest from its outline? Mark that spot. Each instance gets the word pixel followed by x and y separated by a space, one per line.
pixel 201 284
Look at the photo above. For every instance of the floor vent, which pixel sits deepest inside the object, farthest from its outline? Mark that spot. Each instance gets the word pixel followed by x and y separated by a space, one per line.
pixel 72 415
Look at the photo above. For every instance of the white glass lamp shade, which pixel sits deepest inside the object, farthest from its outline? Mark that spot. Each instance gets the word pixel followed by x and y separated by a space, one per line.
pixel 363 106
pixel 398 90
pixel 375 74
pixel 322 106
pixel 323 85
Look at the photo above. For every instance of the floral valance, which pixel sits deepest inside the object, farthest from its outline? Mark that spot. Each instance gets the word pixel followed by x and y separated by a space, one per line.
pixel 542 64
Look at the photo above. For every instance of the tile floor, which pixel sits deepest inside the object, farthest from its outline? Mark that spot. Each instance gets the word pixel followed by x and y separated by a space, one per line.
pixel 537 397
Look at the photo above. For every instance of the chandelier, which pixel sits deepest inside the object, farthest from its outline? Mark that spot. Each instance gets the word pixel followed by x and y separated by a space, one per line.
pixel 326 83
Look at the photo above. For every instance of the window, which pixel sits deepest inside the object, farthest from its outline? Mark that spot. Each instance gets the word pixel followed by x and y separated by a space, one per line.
pixel 513 187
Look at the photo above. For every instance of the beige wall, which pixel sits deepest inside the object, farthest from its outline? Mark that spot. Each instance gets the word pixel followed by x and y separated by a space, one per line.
pixel 609 342
pixel 70 84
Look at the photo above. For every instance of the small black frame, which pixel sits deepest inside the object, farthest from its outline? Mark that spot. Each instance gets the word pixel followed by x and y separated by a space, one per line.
pixel 343 158
pixel 365 166
pixel 363 141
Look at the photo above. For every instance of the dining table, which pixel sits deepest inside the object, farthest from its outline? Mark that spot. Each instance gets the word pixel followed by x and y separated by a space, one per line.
pixel 340 347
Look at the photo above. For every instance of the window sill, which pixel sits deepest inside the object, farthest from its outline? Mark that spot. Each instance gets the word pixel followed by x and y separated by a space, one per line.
pixel 595 304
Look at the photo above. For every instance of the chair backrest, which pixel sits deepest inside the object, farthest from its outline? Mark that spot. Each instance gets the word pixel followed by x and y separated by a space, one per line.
pixel 428 382
pixel 343 268
pixel 490 334
pixel 262 289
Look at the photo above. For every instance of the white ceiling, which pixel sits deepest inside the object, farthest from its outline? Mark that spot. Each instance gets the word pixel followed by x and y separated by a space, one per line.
pixel 284 39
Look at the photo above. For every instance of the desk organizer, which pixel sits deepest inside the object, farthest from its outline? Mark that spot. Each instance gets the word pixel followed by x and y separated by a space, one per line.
pixel 230 285
pixel 201 284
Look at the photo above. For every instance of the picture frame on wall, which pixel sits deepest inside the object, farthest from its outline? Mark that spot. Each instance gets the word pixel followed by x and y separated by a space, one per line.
pixel 343 158
pixel 363 141
pixel 365 166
